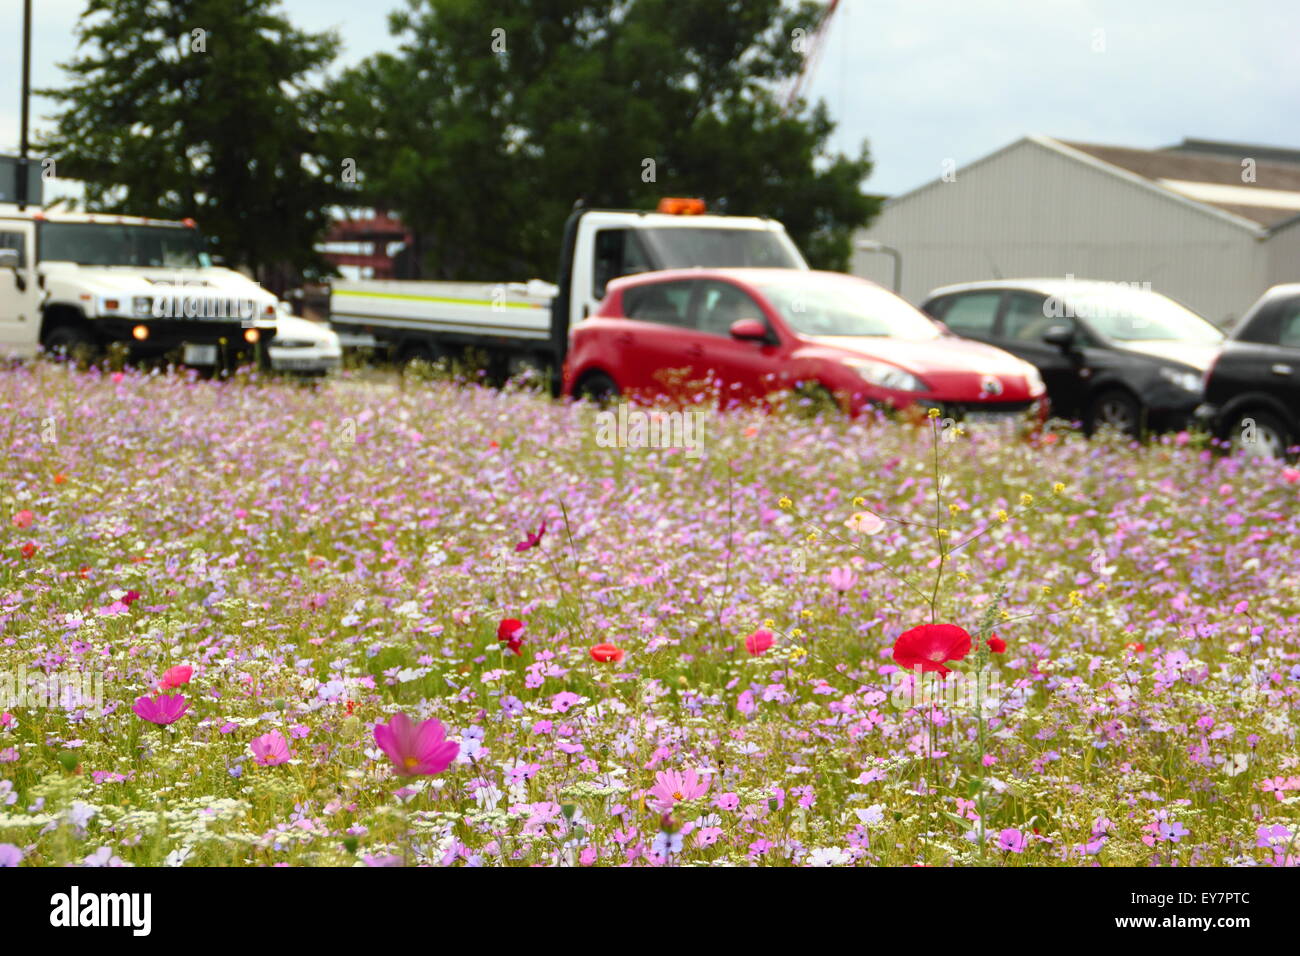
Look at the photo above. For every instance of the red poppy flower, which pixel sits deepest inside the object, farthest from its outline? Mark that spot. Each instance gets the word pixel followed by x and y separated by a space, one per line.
pixel 997 645
pixel 29 549
pixel 930 646
pixel 1136 647
pixel 758 642
pixel 511 632
pixel 607 653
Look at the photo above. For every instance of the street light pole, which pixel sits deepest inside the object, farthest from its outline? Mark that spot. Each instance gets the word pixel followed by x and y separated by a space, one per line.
pixel 873 245
pixel 20 187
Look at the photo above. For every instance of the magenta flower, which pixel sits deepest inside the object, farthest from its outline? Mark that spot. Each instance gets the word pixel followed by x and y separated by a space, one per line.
pixel 416 750
pixel 271 749
pixel 673 787
pixel 165 709
pixel 1011 841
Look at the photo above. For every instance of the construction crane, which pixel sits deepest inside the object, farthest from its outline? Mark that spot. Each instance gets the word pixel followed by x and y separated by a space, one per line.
pixel 811 54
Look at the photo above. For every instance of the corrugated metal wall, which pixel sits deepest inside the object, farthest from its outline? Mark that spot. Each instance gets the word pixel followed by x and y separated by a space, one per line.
pixel 1284 255
pixel 1029 211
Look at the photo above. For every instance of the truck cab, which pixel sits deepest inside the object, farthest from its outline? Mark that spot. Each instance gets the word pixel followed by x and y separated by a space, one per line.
pixel 76 283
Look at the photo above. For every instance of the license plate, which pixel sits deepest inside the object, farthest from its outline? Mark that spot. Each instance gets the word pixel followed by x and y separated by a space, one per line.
pixel 983 418
pixel 200 355
pixel 301 364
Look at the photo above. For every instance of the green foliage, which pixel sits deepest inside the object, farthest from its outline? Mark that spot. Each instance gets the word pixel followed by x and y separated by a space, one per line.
pixel 493 117
pixel 220 125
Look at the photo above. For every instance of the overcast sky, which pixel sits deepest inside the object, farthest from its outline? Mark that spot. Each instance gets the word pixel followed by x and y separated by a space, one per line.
pixel 928 80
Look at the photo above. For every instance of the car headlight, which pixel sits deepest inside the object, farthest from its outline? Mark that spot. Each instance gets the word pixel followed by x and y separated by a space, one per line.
pixel 887 376
pixel 1034 382
pixel 1186 380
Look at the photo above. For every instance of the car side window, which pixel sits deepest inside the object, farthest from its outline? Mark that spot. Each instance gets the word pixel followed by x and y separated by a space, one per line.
pixel 1026 318
pixel 721 304
pixel 1271 325
pixel 972 313
pixel 1289 326
pixel 664 303
pixel 15 240
pixel 618 253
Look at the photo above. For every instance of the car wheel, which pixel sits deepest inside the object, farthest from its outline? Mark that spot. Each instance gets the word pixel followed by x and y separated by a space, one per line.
pixel 73 343
pixel 597 388
pixel 1260 434
pixel 1118 410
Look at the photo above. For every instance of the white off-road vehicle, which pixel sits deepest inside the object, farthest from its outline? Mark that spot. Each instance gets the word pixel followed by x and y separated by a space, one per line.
pixel 76 283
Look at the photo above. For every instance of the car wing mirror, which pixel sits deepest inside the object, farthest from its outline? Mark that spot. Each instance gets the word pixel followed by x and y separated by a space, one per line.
pixel 9 260
pixel 1062 336
pixel 749 330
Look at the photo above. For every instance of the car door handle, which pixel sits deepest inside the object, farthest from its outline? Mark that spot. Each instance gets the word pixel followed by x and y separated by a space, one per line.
pixel 1280 369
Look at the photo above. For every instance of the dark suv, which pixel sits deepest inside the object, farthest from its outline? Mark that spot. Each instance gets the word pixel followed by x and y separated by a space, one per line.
pixel 1110 353
pixel 1252 391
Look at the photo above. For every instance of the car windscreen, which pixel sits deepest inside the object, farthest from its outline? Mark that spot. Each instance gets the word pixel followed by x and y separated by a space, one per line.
pixel 1125 314
pixel 115 244
pixel 814 305
pixel 682 247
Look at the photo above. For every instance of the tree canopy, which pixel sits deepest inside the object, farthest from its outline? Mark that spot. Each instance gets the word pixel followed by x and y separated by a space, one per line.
pixel 493 116
pixel 207 109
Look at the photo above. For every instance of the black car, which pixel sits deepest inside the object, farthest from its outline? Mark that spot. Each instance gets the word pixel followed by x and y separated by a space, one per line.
pixel 1111 353
pixel 1252 393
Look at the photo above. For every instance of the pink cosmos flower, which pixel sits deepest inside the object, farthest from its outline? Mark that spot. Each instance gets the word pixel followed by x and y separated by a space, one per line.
pixel 24 519
pixel 271 749
pixel 416 750
pixel 1291 475
pixel 864 522
pixel 758 642
pixel 175 677
pixel 673 787
pixel 841 579
pixel 165 709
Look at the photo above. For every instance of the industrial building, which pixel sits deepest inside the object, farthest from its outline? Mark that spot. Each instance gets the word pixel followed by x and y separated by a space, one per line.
pixel 1210 224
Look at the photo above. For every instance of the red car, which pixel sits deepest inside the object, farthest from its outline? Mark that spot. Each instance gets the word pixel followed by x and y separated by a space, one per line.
pixel 748 333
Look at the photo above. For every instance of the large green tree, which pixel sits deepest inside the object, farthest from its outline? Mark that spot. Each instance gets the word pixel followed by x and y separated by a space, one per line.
pixel 202 108
pixel 493 116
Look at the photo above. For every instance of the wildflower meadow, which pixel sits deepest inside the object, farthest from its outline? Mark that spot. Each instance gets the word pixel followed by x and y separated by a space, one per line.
pixel 376 623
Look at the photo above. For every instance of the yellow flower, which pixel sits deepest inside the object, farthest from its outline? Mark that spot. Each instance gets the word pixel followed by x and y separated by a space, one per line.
pixel 812 537
pixel 933 413
pixel 1075 599
pixel 942 532
pixel 1000 514
pixel 1026 499
pixel 1006 615
pixel 1045 588
pixel 954 509
pixel 1102 585
pixel 769 623
pixel 806 613
pixel 796 632
pixel 859 501
pixel 797 653
pixel 1058 488
pixel 785 504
